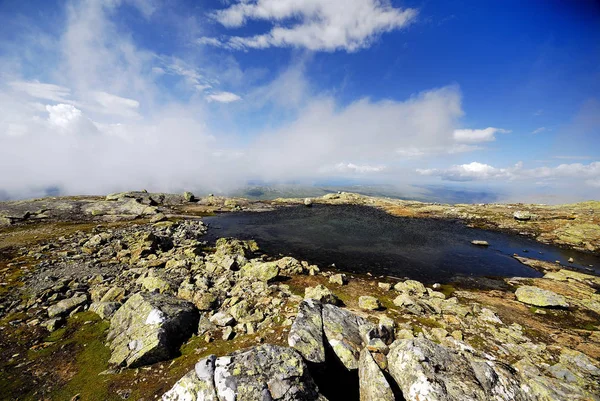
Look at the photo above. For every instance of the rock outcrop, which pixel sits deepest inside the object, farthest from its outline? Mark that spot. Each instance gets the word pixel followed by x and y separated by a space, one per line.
pixel 428 371
pixel 266 372
pixel 306 334
pixel 345 333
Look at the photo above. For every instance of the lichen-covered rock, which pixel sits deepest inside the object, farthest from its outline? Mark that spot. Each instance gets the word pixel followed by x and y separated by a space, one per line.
pixel 266 372
pixel 373 384
pixel 322 294
pixel 535 296
pixel 411 287
pixel 346 334
pixel 63 307
pixel 523 215
pixel 368 302
pixel 306 334
pixel 149 327
pixel 263 271
pixel 425 370
pixel 104 309
pixel 544 388
pixel 196 385
pixel 339 279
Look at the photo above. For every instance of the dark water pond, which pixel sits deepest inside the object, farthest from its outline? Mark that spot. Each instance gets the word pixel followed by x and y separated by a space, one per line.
pixel 363 239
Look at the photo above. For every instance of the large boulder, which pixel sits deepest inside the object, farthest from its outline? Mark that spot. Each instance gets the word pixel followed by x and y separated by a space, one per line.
pixel 425 370
pixel 535 296
pixel 306 334
pixel 373 384
pixel 150 327
pixel 266 372
pixel 346 334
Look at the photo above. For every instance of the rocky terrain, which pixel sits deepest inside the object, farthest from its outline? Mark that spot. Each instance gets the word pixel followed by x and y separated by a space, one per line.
pixel 122 298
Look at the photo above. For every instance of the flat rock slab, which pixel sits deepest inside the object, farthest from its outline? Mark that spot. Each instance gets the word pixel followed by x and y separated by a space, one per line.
pixel 61 308
pixel 535 296
pixel 306 334
pixel 150 327
pixel 425 370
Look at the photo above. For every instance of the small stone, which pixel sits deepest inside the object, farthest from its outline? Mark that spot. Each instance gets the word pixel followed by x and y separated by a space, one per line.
pixel 368 302
pixel 385 286
pixel 158 217
pixel 522 215
pixel 222 319
pixel 480 243
pixel 322 294
pixel 571 260
pixel 228 333
pixel 339 279
pixel 308 202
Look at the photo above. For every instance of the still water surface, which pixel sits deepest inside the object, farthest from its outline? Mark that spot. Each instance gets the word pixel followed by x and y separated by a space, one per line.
pixel 363 239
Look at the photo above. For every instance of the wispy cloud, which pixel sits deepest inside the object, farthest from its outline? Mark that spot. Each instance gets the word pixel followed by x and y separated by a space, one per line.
pixel 477 135
pixel 538 130
pixel 223 97
pixel 315 25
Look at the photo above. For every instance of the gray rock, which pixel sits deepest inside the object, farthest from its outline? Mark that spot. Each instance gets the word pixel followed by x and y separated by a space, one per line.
pixel 262 373
pixel 428 371
pixel 345 333
pixel 263 271
pixel 322 294
pixel 306 334
pixel 368 302
pixel 196 385
pixel 53 324
pixel 188 196
pixel 480 242
pixel 531 295
pixel 373 384
pixel 149 327
pixel 339 279
pixel 104 309
pixel 522 215
pixel 222 319
pixel 63 307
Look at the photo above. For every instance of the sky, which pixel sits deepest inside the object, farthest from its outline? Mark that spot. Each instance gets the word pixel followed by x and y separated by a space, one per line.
pixel 99 96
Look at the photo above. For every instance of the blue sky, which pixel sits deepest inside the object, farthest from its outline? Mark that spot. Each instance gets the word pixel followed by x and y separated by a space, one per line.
pixel 106 95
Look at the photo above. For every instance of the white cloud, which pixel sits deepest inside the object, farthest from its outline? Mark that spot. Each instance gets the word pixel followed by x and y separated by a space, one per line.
pixel 43 91
pixel 469 172
pixel 313 24
pixel 538 130
pixel 223 97
pixel 69 120
pixel 351 168
pixel 575 173
pixel 477 135
pixel 116 105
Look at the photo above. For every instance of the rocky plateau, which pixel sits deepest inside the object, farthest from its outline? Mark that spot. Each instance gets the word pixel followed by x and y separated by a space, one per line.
pixel 121 297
